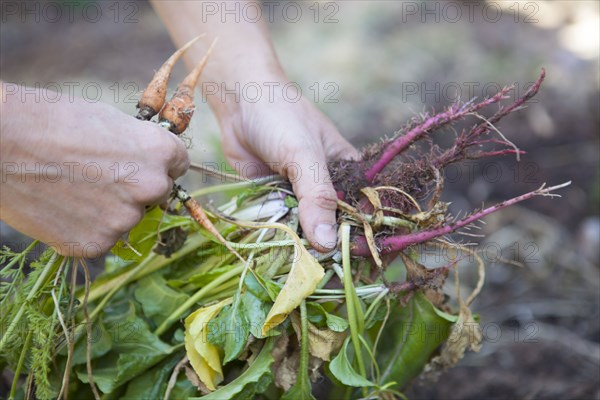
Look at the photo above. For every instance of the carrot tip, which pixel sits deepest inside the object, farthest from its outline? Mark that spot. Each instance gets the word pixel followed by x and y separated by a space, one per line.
pixel 145 113
pixel 153 98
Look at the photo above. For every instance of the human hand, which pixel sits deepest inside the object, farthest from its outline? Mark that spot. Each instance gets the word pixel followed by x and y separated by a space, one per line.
pixel 77 175
pixel 294 140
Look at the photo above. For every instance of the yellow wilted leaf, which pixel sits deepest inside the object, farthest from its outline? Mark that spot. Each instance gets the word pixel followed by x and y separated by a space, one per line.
pixel 373 197
pixel 302 281
pixel 204 356
pixel 305 274
pixel 322 342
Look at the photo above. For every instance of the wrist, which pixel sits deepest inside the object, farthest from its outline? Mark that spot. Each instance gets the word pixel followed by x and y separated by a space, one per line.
pixel 255 87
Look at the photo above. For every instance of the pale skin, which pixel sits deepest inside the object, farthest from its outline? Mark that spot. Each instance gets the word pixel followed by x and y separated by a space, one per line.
pixel 275 135
pixel 92 171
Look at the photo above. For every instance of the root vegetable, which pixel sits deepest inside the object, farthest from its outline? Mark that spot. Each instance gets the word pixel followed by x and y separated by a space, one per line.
pixel 153 98
pixel 177 113
pixel 197 213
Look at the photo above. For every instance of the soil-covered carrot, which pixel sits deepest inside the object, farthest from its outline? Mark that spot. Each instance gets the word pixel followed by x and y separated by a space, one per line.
pixel 153 98
pixel 177 113
pixel 198 214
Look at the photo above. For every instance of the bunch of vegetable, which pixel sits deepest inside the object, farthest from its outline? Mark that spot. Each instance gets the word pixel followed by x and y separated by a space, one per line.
pixel 232 303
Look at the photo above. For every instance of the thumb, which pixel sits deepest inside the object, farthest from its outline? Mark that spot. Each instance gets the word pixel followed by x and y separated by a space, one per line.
pixel 317 199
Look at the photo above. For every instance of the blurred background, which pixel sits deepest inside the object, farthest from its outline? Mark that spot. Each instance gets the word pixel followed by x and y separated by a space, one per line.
pixel 370 66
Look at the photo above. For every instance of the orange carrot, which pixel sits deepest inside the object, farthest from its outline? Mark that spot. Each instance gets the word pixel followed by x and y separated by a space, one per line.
pixel 154 96
pixel 175 116
pixel 198 214
pixel 177 113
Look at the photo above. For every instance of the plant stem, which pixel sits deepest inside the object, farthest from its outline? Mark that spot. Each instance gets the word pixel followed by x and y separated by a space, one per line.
pixel 48 269
pixel 328 274
pixel 351 305
pixel 152 262
pixel 397 243
pixel 197 296
pixel 265 245
pixel 303 340
pixel 402 142
pixel 235 186
pixel 373 307
pixel 17 372
pixel 392 221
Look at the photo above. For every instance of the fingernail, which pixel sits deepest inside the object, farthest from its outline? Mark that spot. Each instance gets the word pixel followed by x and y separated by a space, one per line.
pixel 326 235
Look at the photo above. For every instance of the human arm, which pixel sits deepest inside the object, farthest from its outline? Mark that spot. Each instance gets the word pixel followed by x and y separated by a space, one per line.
pixel 293 139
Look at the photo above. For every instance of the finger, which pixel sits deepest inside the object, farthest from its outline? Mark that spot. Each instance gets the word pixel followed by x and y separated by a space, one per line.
pixel 316 196
pixel 156 189
pixel 338 148
pixel 180 160
pixel 163 193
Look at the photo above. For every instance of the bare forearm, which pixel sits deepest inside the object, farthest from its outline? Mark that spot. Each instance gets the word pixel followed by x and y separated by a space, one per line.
pixel 244 52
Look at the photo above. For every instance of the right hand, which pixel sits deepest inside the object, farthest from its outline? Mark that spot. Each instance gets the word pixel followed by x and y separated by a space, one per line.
pixel 296 140
pixel 77 175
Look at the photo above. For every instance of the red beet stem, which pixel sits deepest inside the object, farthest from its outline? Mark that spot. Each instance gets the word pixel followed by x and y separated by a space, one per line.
pixel 455 112
pixel 401 242
pixel 402 142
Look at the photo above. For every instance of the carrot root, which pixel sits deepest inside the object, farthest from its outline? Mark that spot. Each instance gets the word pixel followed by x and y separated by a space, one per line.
pixel 153 98
pixel 197 213
pixel 177 113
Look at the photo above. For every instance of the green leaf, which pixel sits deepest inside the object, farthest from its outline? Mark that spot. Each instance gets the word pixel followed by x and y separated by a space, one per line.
pixel 101 344
pixel 158 300
pixel 134 349
pixel 197 261
pixel 236 331
pixel 377 315
pixel 205 277
pixel 152 383
pixel 248 318
pixel 412 335
pixel 290 202
pixel 256 286
pixel 264 289
pixel 341 368
pixel 183 389
pixel 217 327
pixel 316 314
pixel 144 235
pixel 335 323
pixel 251 382
pixel 321 318
pixel 230 330
pixel 255 312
